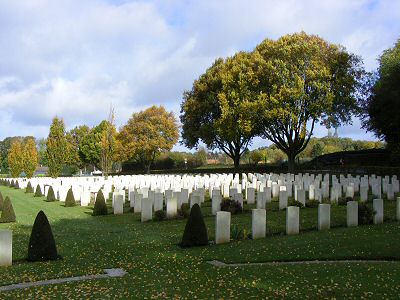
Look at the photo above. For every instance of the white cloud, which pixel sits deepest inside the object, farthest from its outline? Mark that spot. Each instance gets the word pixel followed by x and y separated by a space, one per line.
pixel 75 58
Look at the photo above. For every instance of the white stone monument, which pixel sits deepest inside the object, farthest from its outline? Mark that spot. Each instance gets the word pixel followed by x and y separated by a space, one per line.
pixel 223 227
pixel 324 216
pixel 147 210
pixel 5 247
pixel 352 213
pixel 258 223
pixel 378 208
pixel 292 220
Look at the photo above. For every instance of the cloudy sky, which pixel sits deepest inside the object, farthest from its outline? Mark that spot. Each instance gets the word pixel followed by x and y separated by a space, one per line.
pixel 76 58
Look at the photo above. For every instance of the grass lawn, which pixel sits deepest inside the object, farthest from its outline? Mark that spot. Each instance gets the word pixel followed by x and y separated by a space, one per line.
pixel 157 268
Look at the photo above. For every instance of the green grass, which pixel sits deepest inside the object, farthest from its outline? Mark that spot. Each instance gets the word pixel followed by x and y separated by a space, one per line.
pixel 159 269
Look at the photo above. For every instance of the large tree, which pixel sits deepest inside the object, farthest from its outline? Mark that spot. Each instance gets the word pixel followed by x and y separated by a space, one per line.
pixel 56 147
pixel 382 109
pixel 75 137
pixel 30 157
pixel 220 109
pixel 304 80
pixel 15 158
pixel 147 134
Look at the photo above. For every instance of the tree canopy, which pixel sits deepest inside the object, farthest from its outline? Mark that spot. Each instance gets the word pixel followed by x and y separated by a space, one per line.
pixel 56 147
pixel 382 108
pixel 147 134
pixel 220 108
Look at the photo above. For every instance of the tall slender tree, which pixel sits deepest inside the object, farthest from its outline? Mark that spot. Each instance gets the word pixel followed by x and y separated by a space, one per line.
pixel 30 157
pixel 56 147
pixel 15 158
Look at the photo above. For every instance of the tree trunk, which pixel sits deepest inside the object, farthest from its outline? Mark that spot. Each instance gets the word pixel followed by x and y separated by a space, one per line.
pixel 236 162
pixel 291 162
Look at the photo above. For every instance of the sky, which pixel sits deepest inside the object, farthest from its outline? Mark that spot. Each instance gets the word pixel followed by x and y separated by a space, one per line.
pixel 74 58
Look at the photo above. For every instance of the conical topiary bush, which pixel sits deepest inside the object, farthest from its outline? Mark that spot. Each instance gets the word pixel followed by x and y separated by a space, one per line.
pixel 38 192
pixel 70 200
pixel 195 230
pixel 42 245
pixel 1 201
pixel 100 207
pixel 7 214
pixel 50 195
pixel 11 183
pixel 29 188
pixel 16 184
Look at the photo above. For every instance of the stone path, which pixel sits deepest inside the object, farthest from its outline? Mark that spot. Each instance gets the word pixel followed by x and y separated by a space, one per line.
pixel 109 273
pixel 220 264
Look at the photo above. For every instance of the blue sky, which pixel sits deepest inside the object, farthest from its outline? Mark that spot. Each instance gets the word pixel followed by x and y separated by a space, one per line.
pixel 76 58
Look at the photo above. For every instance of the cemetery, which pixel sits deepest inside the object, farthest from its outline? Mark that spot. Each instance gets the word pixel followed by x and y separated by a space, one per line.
pixel 351 222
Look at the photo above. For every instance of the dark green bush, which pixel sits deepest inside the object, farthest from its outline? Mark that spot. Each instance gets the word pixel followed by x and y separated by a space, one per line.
pixel 160 215
pixel 365 214
pixel 12 183
pixel 295 203
pixel 195 233
pixel 50 195
pixel 29 188
pixel 70 200
pixel 312 203
pixel 16 184
pixel 232 206
pixel 184 211
pixel 343 201
pixel 100 207
pixel 38 192
pixel 7 214
pixel 1 201
pixel 42 246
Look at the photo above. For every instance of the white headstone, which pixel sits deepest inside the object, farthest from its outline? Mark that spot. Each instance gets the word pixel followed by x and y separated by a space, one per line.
pixel 352 213
pixel 138 203
pixel 258 223
pixel 283 199
pixel 158 201
pixel 324 216
pixel 216 203
pixel 378 208
pixel 301 196
pixel 118 204
pixel 172 207
pixel 363 193
pixel 251 195
pixel 5 247
pixel 223 227
pixel 292 220
pixel 147 210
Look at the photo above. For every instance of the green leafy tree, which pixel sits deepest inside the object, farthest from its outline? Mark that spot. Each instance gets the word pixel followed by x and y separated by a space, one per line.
pixel 219 109
pixel 147 134
pixel 304 80
pixel 317 150
pixel 74 138
pixel 30 157
pixel 41 146
pixel 16 158
pixel 382 108
pixel 56 147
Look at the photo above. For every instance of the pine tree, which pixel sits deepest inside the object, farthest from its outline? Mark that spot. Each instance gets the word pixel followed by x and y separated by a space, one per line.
pixel 38 192
pixel 8 214
pixel 50 195
pixel 100 207
pixel 56 146
pixel 70 200
pixel 195 233
pixel 42 246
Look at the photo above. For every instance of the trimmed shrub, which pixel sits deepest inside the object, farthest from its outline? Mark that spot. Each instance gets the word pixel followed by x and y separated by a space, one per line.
pixel 184 211
pixel 11 183
pixel 234 207
pixel 70 200
pixel 195 233
pixel 312 203
pixel 50 195
pixel 29 188
pixel 16 184
pixel 295 203
pixel 100 207
pixel 365 214
pixel 42 246
pixel 1 201
pixel 38 192
pixel 7 214
pixel 160 215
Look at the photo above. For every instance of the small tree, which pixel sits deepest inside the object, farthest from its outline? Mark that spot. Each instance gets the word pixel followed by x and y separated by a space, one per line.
pixel 30 157
pixel 50 195
pixel 70 200
pixel 56 147
pixel 100 207
pixel 7 214
pixel 29 188
pixel 15 159
pixel 38 192
pixel 195 230
pixel 42 246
